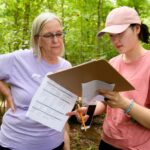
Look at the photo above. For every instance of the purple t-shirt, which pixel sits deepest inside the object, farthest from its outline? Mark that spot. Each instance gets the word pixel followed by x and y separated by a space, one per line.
pixel 25 72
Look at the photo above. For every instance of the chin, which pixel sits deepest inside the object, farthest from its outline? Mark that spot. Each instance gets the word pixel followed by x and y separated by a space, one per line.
pixel 55 54
pixel 121 51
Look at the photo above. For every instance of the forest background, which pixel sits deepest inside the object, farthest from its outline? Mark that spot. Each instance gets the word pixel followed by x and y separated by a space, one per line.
pixel 81 20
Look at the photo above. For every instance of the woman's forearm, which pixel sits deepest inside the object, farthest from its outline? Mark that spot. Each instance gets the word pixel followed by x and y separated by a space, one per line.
pixel 100 108
pixel 141 115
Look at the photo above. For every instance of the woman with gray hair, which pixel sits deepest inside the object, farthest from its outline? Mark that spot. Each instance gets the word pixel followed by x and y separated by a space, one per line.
pixel 24 71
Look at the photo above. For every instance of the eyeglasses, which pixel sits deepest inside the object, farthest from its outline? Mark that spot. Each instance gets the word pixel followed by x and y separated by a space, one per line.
pixel 53 35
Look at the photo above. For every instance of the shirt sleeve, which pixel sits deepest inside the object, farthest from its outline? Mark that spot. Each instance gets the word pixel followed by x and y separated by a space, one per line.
pixel 6 65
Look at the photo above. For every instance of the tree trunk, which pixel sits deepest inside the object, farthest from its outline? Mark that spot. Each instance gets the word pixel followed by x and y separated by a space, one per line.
pixel 99 22
pixel 25 31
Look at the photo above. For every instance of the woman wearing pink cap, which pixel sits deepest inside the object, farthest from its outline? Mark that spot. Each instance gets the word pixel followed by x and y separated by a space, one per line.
pixel 127 122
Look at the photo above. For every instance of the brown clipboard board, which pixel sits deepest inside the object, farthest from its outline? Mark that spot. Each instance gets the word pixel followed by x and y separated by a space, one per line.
pixel 72 78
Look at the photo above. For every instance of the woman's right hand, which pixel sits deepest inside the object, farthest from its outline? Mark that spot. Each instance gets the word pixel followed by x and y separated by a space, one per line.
pixel 10 103
pixel 78 112
pixel 5 90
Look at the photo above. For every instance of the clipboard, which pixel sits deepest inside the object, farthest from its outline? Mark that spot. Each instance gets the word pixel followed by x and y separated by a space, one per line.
pixel 73 78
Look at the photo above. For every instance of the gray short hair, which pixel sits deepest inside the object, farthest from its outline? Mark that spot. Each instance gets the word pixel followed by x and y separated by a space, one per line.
pixel 37 26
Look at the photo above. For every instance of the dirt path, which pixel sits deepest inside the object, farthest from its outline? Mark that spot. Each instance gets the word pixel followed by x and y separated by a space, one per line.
pixel 86 140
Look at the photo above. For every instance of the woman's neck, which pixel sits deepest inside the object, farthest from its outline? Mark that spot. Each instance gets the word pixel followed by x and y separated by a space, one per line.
pixel 133 54
pixel 49 58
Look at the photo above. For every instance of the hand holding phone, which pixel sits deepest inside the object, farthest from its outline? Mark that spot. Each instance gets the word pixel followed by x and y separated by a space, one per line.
pixel 90 112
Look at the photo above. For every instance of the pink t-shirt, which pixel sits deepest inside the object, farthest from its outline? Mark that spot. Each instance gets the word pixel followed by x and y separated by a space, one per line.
pixel 119 129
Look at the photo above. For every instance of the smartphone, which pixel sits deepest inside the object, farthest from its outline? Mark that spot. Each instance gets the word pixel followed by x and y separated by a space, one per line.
pixel 90 112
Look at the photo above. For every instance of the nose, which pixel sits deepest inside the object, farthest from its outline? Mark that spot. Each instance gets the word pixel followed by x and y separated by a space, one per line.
pixel 55 39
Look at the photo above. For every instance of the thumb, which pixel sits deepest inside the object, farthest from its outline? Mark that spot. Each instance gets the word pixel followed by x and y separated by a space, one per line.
pixel 72 113
pixel 10 103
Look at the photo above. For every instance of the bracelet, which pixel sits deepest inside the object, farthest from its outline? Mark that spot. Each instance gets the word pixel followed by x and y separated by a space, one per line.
pixel 128 109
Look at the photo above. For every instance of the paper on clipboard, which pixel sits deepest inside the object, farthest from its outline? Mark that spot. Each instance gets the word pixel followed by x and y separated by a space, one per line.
pixel 90 93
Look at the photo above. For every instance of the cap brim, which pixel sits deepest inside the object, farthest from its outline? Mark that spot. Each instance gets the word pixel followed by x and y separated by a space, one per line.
pixel 114 29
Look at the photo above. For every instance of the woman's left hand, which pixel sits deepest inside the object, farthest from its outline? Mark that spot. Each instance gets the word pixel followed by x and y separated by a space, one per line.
pixel 115 99
pixel 140 113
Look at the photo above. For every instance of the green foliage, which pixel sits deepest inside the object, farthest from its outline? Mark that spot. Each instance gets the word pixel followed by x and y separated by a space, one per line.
pixel 82 19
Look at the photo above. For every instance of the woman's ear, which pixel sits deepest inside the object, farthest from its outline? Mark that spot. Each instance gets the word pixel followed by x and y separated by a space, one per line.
pixel 137 29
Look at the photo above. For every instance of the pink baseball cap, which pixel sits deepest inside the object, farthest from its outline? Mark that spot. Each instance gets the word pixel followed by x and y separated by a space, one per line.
pixel 119 19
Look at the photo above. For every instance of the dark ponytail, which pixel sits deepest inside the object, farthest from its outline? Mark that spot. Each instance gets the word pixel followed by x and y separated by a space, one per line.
pixel 144 34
